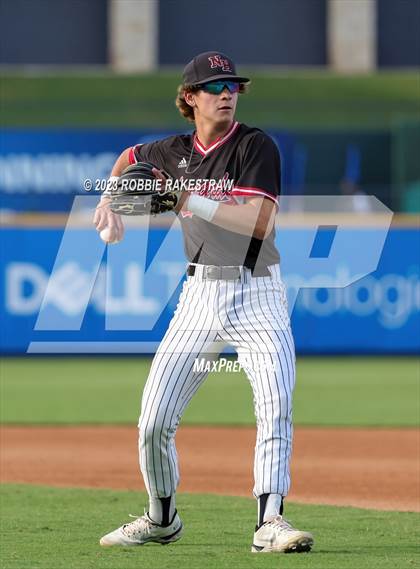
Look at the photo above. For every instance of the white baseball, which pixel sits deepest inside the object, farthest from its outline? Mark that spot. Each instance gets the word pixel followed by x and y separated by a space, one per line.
pixel 105 235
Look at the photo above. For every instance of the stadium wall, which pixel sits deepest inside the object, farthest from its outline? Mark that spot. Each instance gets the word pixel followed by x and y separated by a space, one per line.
pixel 348 35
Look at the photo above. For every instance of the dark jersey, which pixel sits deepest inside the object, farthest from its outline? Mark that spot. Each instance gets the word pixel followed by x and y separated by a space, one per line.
pixel 244 163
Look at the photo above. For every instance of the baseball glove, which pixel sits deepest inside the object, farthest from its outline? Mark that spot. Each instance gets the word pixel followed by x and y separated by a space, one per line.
pixel 139 192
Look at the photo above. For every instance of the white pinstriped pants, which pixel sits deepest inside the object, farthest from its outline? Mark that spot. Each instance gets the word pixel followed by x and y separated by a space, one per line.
pixel 252 317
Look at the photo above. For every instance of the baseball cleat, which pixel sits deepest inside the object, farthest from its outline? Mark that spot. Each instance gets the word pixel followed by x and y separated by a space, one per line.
pixel 277 535
pixel 143 530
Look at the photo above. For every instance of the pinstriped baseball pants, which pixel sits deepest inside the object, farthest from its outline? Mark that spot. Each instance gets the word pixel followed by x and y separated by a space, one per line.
pixel 252 317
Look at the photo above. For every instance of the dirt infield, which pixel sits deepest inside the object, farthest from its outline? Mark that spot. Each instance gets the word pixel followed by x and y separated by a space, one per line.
pixel 368 468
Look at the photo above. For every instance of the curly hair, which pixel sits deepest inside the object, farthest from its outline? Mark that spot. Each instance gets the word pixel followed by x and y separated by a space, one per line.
pixel 185 109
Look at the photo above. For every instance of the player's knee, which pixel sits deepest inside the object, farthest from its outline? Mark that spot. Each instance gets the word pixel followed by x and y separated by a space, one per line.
pixel 146 436
pixel 152 432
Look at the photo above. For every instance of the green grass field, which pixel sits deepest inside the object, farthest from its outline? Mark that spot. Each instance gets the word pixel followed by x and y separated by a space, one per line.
pixel 59 528
pixel 298 99
pixel 330 391
pixel 46 528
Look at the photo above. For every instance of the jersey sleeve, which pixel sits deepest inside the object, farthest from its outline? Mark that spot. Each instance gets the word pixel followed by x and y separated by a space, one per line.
pixel 260 170
pixel 149 152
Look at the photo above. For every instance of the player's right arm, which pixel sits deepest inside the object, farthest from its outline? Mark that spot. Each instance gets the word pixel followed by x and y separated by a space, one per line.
pixel 148 152
pixel 104 217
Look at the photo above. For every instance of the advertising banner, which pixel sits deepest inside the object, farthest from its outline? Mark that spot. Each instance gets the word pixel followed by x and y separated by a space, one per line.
pixel 67 292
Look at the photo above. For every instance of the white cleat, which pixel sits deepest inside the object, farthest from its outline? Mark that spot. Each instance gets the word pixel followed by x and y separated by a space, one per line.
pixel 277 535
pixel 143 530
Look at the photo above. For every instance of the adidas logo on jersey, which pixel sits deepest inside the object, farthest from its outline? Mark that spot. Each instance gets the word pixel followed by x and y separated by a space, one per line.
pixel 182 164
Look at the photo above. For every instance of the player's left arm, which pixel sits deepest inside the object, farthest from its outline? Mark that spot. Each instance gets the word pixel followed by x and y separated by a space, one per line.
pixel 255 218
pixel 258 184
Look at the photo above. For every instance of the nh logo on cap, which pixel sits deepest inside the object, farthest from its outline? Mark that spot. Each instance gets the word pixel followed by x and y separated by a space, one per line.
pixel 218 61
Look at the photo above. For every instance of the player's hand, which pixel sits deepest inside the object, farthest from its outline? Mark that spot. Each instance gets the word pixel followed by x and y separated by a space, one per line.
pixel 182 200
pixel 105 218
pixel 182 195
pixel 160 175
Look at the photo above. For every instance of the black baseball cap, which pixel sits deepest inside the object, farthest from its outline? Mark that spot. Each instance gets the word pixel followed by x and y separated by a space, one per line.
pixel 211 66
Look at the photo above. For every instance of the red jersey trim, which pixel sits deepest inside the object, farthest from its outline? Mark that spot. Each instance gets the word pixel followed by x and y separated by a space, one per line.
pixel 250 191
pixel 132 155
pixel 204 150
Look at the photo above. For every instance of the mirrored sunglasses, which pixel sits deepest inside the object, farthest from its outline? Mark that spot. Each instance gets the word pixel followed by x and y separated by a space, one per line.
pixel 216 87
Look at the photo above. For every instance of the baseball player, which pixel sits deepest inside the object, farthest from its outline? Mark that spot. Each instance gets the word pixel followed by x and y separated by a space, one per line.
pixel 234 295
